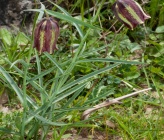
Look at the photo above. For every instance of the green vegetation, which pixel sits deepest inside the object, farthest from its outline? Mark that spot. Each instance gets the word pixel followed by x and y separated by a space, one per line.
pixel 96 60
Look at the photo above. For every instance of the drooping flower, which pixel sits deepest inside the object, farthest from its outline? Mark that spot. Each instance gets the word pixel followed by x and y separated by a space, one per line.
pixel 45 35
pixel 129 12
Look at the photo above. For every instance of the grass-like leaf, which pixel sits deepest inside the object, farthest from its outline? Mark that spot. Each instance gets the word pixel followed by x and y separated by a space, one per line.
pixel 110 60
pixel 86 77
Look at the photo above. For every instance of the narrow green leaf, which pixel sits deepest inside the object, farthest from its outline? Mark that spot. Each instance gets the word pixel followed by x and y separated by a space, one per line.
pixel 65 12
pixel 99 97
pixel 86 77
pixel 54 61
pixel 76 94
pixel 48 122
pixel 40 16
pixel 21 61
pixel 15 87
pixel 110 60
pixel 13 84
pixel 65 17
pixel 43 73
pixel 9 131
pixel 67 93
pixel 70 19
pixel 34 84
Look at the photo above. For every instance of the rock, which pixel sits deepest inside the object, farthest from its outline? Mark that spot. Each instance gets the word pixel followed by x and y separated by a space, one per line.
pixel 11 11
pixel 4 98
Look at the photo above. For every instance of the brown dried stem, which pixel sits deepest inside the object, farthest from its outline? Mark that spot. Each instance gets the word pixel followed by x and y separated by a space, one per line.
pixel 108 102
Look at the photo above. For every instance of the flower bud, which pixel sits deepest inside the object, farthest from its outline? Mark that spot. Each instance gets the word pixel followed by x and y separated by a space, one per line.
pixel 129 12
pixel 45 35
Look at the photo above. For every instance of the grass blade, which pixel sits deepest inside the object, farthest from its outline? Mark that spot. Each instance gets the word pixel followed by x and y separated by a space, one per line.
pixel 86 77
